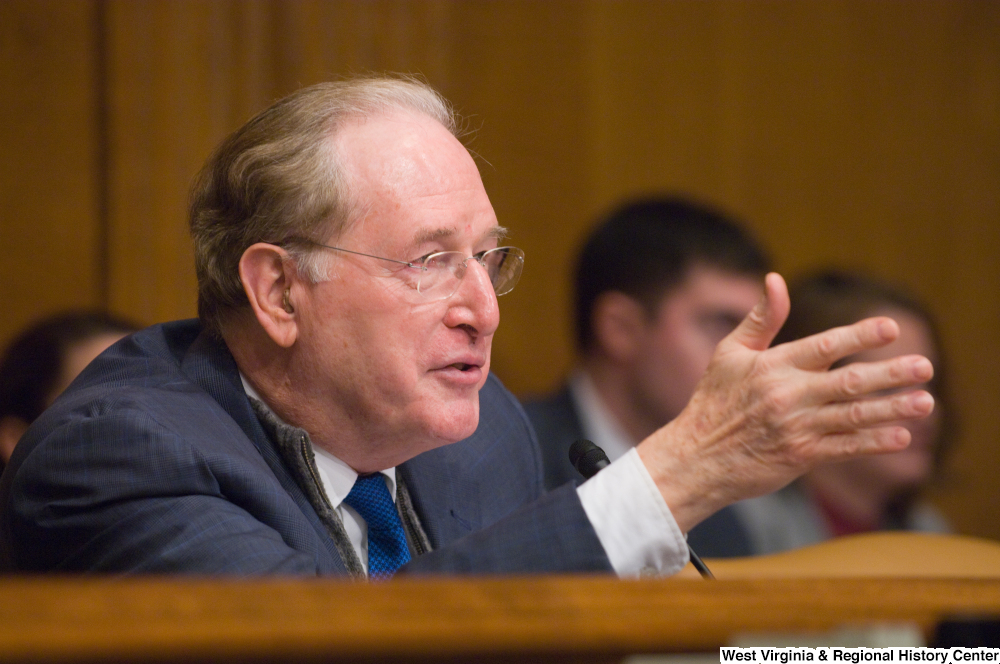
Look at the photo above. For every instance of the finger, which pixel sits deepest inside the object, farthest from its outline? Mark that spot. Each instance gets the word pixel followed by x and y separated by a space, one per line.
pixel 818 352
pixel 757 330
pixel 852 416
pixel 880 440
pixel 863 379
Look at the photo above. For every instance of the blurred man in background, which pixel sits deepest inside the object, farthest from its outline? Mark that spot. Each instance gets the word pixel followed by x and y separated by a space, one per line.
pixel 658 284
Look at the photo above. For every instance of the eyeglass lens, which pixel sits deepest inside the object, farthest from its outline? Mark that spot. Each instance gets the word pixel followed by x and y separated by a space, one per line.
pixel 503 265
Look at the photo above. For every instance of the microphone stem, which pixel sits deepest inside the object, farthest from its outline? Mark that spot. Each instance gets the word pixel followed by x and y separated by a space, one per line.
pixel 700 565
pixel 588 459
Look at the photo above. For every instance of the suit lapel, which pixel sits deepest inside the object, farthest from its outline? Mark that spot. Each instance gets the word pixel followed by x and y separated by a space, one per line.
pixel 209 364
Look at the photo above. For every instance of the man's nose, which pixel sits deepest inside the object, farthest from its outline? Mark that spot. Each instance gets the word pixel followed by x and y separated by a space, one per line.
pixel 474 304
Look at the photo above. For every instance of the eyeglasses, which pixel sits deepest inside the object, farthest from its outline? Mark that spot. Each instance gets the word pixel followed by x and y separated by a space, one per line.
pixel 437 276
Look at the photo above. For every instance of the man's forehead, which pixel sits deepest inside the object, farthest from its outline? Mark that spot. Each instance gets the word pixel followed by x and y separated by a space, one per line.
pixel 413 181
pixel 390 145
pixel 716 286
pixel 703 272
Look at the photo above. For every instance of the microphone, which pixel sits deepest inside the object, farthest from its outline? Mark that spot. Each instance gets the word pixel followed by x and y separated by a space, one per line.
pixel 589 459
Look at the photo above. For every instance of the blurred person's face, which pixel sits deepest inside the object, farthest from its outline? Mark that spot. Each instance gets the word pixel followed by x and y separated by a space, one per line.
pixel 913 466
pixel 78 356
pixel 679 341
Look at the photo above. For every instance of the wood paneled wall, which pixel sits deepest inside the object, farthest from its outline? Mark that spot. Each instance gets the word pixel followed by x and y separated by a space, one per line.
pixel 845 132
pixel 51 217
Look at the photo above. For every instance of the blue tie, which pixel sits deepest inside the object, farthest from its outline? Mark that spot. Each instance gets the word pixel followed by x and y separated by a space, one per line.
pixel 387 549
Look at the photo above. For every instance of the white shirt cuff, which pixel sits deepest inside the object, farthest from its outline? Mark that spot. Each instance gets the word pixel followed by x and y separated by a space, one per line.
pixel 632 520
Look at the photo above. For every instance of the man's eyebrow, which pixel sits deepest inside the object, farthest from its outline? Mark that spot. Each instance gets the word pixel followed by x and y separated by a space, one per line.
pixel 431 235
pixel 495 232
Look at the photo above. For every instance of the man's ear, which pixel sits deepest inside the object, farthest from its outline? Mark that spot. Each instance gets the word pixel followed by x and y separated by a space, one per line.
pixel 619 323
pixel 270 282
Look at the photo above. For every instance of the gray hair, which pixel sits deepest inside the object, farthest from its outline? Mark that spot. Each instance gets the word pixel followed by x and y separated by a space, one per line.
pixel 277 178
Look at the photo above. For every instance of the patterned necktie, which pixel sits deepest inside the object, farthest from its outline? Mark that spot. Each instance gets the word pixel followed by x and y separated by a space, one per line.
pixel 387 549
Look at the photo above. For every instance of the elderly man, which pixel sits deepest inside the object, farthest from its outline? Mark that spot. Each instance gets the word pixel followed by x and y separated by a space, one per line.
pixel 349 268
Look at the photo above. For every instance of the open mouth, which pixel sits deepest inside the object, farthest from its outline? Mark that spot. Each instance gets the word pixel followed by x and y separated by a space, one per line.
pixel 461 366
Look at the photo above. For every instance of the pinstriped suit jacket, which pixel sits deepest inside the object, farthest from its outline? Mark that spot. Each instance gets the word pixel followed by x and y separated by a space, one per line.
pixel 153 461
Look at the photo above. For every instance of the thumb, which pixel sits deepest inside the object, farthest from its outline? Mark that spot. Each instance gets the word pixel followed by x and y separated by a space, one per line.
pixel 757 330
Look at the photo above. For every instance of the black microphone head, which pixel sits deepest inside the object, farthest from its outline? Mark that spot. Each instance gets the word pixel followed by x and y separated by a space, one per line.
pixel 587 458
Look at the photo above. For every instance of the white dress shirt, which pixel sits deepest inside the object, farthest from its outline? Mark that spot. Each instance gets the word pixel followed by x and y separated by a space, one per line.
pixel 337 480
pixel 597 422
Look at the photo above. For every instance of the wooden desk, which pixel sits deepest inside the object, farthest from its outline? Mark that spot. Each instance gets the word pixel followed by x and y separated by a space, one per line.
pixel 882 555
pixel 443 619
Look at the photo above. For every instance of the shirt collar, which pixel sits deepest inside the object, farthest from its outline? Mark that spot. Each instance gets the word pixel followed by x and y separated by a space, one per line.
pixel 596 420
pixel 336 477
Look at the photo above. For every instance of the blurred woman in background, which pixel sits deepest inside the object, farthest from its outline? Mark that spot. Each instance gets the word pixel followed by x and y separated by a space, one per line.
pixel 878 492
pixel 43 360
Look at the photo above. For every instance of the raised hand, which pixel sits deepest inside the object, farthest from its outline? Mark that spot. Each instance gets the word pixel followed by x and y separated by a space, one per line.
pixel 761 416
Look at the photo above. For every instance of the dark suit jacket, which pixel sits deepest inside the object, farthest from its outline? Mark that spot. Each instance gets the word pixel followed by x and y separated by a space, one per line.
pixel 558 426
pixel 153 461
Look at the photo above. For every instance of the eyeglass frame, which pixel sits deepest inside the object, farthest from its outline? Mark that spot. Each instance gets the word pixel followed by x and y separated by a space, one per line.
pixel 423 268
